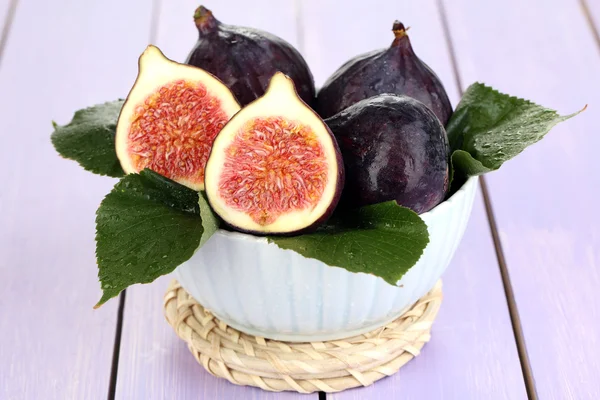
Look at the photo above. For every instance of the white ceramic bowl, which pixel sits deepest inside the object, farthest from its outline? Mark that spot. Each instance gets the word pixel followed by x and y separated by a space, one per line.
pixel 260 289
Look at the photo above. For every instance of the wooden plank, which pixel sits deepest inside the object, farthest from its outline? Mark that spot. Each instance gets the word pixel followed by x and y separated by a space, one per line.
pixel 154 363
pixel 472 353
pixel 545 201
pixel 61 56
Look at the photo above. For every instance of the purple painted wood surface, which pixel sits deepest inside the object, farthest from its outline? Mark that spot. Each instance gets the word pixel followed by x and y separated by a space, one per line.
pixel 472 353
pixel 63 56
pixel 545 201
pixel 154 363
pixel 60 56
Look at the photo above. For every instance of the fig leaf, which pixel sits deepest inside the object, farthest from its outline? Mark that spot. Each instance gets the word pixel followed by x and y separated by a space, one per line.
pixel 210 221
pixel 89 139
pixel 145 227
pixel 489 128
pixel 383 239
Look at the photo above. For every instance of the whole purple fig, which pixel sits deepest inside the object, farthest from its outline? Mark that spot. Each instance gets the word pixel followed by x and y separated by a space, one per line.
pixel 395 70
pixel 245 59
pixel 394 148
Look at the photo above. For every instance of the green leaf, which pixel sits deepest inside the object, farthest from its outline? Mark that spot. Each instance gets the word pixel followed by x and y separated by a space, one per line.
pixel 145 227
pixel 384 240
pixel 89 139
pixel 489 128
pixel 210 222
pixel 464 162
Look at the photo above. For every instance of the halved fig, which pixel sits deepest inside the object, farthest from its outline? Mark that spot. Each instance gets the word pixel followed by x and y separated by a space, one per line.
pixel 275 168
pixel 170 119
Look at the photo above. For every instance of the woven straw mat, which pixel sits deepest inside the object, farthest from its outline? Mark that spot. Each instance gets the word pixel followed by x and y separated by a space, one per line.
pixel 272 365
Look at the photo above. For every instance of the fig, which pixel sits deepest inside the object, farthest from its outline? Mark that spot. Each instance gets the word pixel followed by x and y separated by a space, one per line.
pixel 170 119
pixel 275 168
pixel 245 59
pixel 395 70
pixel 394 148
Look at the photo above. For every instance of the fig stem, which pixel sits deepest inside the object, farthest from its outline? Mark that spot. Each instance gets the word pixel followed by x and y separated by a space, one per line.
pixel 399 29
pixel 205 20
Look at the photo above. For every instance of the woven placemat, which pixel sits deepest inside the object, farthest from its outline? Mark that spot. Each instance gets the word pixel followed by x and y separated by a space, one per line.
pixel 272 365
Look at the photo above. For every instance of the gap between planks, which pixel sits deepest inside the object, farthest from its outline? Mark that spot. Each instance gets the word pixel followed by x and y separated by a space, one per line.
pixel 114 371
pixel 590 20
pixel 8 19
pixel 506 283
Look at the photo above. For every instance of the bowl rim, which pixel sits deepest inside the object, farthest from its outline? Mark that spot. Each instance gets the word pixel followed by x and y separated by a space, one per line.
pixel 440 208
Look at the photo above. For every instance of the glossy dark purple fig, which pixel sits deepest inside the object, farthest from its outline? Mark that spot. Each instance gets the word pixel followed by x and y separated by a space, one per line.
pixel 395 70
pixel 394 148
pixel 245 59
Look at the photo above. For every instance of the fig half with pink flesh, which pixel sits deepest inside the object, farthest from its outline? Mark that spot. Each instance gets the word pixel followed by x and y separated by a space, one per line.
pixel 170 119
pixel 275 168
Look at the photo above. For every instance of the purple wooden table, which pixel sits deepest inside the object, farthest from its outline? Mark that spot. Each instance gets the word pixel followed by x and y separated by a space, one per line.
pixel 521 317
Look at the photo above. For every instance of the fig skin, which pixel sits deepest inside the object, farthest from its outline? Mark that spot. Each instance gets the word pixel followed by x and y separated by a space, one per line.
pixel 395 70
pixel 280 100
pixel 394 148
pixel 245 59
